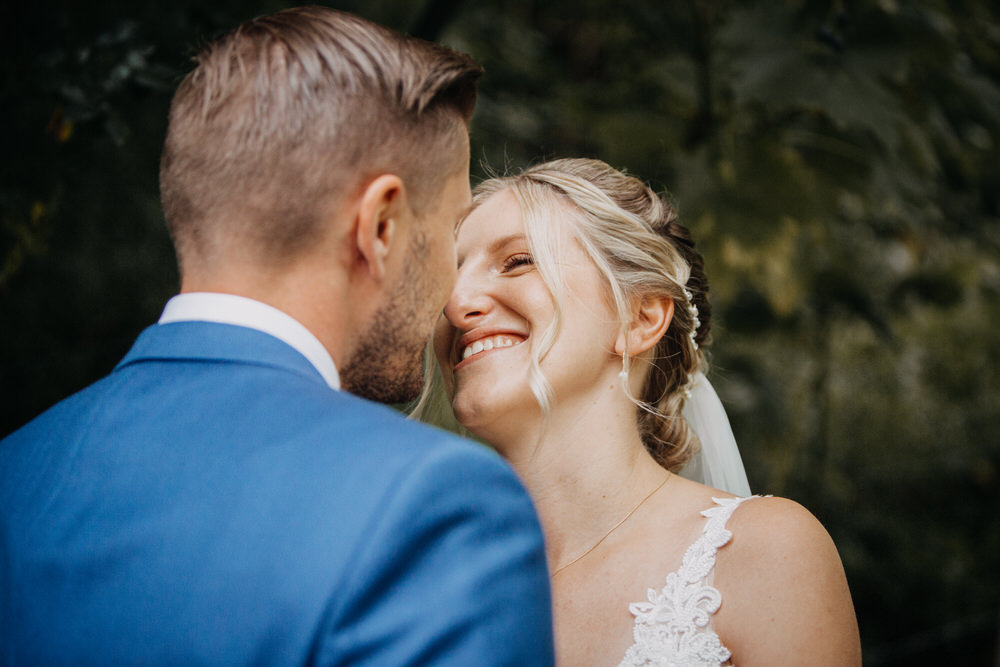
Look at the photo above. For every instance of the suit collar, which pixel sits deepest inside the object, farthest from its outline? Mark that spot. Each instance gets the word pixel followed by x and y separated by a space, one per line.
pixel 247 312
pixel 210 341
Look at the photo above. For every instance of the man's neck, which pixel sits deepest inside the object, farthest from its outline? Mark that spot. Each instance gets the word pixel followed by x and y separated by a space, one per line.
pixel 309 297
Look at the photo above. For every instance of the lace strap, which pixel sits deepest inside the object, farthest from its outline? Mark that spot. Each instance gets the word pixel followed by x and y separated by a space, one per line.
pixel 699 559
pixel 674 627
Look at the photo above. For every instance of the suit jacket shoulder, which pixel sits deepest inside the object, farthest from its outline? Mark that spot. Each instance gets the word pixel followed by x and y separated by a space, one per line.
pixel 212 500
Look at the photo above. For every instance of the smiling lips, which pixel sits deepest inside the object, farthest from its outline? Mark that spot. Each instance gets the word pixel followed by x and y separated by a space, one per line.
pixel 488 343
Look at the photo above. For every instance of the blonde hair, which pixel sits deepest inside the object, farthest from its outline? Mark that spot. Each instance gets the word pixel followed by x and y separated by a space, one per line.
pixel 290 111
pixel 632 236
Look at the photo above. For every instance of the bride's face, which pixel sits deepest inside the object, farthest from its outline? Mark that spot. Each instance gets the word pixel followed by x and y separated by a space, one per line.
pixel 501 307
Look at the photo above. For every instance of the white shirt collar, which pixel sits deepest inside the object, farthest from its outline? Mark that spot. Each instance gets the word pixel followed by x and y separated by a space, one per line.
pixel 244 312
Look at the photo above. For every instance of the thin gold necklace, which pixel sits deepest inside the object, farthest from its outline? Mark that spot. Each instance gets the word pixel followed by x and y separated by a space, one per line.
pixel 613 528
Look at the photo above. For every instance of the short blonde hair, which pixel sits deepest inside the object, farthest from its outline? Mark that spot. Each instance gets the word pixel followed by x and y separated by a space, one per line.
pixel 290 111
pixel 633 237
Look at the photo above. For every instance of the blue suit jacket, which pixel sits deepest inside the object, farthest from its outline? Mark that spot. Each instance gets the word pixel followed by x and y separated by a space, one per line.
pixel 212 501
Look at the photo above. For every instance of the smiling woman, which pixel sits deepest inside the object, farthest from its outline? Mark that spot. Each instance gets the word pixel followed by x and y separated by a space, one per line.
pixel 573 338
pixel 501 294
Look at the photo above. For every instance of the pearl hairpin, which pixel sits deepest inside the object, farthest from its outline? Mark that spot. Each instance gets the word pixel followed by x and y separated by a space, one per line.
pixel 693 334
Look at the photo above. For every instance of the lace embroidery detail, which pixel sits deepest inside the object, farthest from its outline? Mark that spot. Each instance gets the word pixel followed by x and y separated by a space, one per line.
pixel 674 628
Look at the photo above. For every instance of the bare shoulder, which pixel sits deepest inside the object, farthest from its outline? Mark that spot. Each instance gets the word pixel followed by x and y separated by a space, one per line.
pixel 777 545
pixel 784 590
pixel 768 527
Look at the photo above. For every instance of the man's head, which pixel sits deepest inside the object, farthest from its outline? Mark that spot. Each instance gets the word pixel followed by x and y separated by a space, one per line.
pixel 300 113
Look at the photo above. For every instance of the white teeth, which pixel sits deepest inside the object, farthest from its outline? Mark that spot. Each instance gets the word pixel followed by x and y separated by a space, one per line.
pixel 486 344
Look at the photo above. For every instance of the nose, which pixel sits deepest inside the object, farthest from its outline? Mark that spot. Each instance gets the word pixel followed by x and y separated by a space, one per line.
pixel 470 301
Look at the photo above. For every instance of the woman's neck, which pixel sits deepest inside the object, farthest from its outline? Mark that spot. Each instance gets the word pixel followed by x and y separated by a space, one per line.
pixel 585 468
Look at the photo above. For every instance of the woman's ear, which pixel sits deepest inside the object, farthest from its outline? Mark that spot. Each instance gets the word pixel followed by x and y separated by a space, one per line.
pixel 381 208
pixel 650 318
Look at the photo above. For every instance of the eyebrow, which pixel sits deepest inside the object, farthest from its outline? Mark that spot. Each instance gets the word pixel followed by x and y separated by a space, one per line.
pixel 500 243
pixel 506 240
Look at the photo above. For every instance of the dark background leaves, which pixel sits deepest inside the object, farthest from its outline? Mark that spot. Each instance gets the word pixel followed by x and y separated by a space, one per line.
pixel 836 162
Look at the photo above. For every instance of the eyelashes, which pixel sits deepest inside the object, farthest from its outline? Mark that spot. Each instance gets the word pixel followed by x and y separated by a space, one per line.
pixel 512 263
pixel 516 261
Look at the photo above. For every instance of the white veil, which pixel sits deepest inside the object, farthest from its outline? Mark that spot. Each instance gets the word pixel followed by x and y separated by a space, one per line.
pixel 718 464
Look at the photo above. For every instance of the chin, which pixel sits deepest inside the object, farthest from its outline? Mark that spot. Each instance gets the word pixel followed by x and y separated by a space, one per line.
pixel 493 414
pixel 393 382
pixel 469 416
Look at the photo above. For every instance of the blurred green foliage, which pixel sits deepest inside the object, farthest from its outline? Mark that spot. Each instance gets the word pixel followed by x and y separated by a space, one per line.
pixel 836 162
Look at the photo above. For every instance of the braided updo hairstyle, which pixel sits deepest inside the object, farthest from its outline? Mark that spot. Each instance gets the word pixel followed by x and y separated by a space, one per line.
pixel 634 239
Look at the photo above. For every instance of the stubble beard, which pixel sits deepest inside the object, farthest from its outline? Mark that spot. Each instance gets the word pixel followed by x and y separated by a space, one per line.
pixel 387 364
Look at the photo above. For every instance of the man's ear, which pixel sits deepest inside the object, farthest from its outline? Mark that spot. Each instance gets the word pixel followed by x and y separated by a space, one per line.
pixel 382 207
pixel 650 318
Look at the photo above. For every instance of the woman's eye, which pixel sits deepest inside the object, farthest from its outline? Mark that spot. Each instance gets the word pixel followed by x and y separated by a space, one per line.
pixel 514 261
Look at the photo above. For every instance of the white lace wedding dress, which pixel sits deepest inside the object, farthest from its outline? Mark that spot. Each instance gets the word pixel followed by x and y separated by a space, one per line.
pixel 674 628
